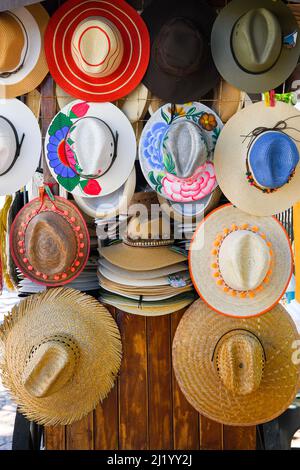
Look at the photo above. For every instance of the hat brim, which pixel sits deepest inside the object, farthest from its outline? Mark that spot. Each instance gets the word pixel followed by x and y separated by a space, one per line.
pixel 24 167
pixel 122 166
pixel 193 347
pixel 16 228
pixel 152 164
pixel 35 19
pixel 141 259
pixel 105 207
pixel 193 86
pixel 200 261
pixel 224 58
pixel 58 45
pixel 62 312
pixel 231 153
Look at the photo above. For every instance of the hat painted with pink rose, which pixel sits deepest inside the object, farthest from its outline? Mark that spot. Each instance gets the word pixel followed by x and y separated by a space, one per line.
pixel 176 151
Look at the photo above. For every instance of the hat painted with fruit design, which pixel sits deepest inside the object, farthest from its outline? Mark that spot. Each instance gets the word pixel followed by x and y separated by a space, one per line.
pixel 176 151
pixel 90 148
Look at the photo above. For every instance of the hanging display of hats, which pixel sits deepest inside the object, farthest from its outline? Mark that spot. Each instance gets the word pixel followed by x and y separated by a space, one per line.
pixel 49 240
pixel 237 372
pixel 181 68
pixel 20 145
pixel 256 158
pixel 22 31
pixel 83 129
pixel 176 151
pixel 97 50
pixel 57 345
pixel 240 264
pixel 262 46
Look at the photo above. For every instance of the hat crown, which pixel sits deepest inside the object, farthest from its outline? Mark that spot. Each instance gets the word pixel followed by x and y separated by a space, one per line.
pixel 50 243
pixel 144 229
pixel 8 145
pixel 97 46
pixel 273 157
pixel 50 366
pixel 179 47
pixel 92 136
pixel 244 260
pixel 257 40
pixel 12 38
pixel 185 143
pixel 240 362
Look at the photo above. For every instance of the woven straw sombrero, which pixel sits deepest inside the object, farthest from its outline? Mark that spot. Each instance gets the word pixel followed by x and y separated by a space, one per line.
pixel 240 264
pixel 239 372
pixel 49 240
pixel 97 50
pixel 61 354
pixel 257 158
pixel 22 31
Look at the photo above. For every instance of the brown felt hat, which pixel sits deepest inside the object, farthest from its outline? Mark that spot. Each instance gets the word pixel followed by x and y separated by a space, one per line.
pixel 255 45
pixel 239 372
pixel 49 241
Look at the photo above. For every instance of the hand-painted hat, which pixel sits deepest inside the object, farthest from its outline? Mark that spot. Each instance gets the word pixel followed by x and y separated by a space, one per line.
pixel 49 240
pixel 97 50
pixel 255 44
pixel 240 264
pixel 257 158
pixel 239 372
pixel 22 31
pixel 90 148
pixel 176 151
pixel 20 145
pixel 61 352
pixel 181 68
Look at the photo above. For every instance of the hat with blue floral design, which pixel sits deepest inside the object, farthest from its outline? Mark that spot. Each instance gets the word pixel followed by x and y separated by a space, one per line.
pixel 176 151
pixel 90 148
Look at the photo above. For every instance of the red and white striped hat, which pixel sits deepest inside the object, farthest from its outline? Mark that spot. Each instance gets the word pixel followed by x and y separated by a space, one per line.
pixel 97 50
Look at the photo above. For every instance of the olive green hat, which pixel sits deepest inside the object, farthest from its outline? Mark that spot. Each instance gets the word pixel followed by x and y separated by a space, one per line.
pixel 262 44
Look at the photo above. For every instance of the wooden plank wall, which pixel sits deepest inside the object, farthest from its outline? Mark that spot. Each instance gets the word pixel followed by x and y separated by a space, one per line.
pixel 145 409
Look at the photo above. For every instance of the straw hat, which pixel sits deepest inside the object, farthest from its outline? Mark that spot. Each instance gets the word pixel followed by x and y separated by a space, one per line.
pixel 61 354
pixel 97 50
pixel 189 211
pixel 83 129
pixel 240 264
pixel 238 372
pixel 256 158
pixel 22 30
pixel 181 68
pixel 49 241
pixel 20 145
pixel 254 44
pixel 105 207
pixel 176 151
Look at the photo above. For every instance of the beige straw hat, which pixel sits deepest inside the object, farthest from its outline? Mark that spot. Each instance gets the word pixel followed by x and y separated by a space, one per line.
pixel 61 354
pixel 22 31
pixel 240 264
pixel 256 158
pixel 238 372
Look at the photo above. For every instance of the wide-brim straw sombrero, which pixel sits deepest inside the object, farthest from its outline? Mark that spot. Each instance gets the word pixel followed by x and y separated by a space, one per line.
pixel 196 340
pixel 80 333
pixel 231 154
pixel 35 19
pixel 67 73
pixel 208 275
pixel 223 54
pixel 24 166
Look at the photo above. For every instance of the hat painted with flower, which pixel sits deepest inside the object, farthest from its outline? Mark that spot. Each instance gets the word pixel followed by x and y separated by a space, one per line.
pixel 240 264
pixel 49 240
pixel 176 151
pixel 257 158
pixel 90 148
